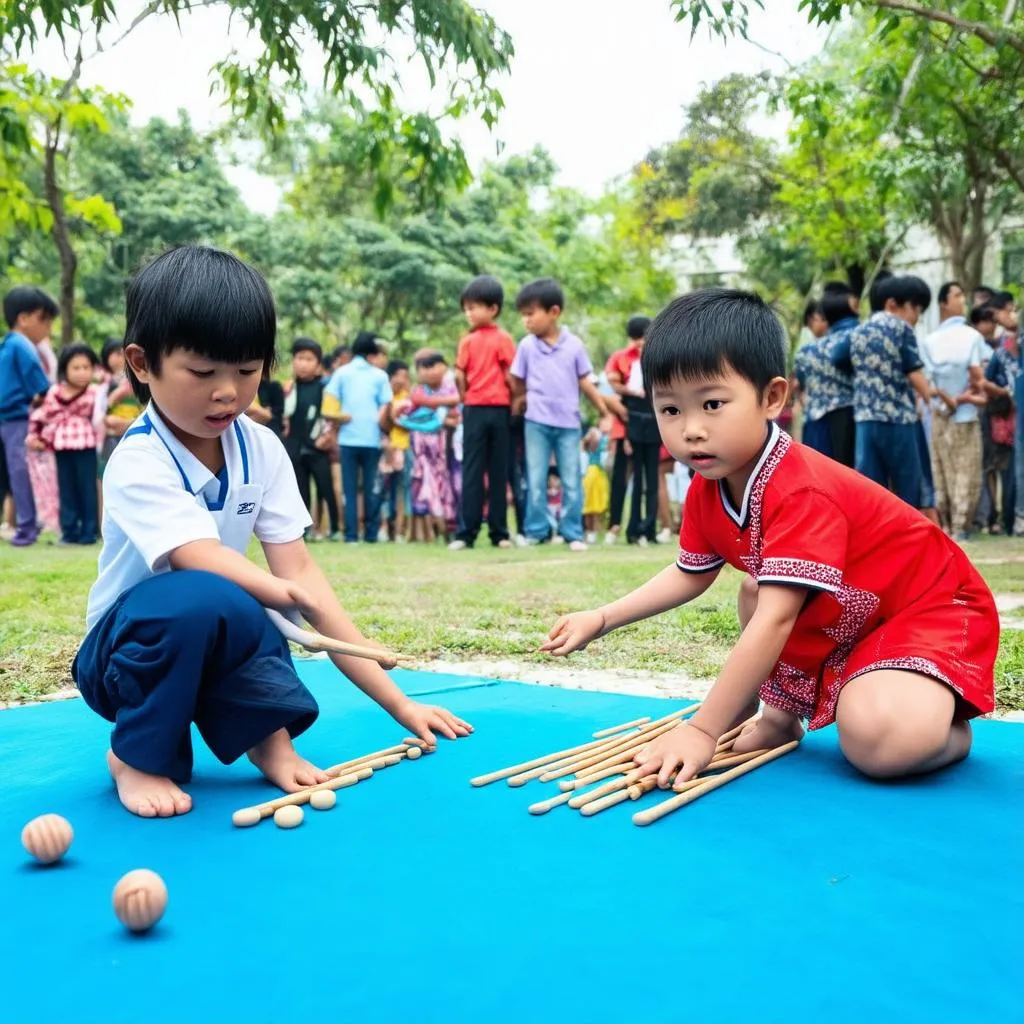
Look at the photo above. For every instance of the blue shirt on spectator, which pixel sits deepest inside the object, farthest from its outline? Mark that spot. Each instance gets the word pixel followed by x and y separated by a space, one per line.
pixel 883 351
pixel 826 385
pixel 21 377
pixel 362 390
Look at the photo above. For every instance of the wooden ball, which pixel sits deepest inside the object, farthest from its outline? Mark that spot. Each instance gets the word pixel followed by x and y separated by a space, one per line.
pixel 246 817
pixel 288 816
pixel 140 899
pixel 47 837
pixel 323 799
pixel 413 752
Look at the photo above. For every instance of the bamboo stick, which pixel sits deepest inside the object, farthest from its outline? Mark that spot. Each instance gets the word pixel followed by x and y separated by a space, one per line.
pixel 621 728
pixel 314 641
pixel 652 814
pixel 247 816
pixel 541 770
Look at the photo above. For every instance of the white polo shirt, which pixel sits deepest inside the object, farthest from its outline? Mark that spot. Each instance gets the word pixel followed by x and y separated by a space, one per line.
pixel 158 496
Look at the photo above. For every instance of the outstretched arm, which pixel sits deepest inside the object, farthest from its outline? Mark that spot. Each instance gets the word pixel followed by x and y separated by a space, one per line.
pixel 293 562
pixel 669 589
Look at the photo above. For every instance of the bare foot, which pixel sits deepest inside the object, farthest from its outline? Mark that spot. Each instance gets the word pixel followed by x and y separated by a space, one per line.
pixel 772 729
pixel 277 759
pixel 149 796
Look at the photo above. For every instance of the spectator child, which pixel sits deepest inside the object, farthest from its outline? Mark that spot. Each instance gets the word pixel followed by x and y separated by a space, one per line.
pixel 595 481
pixel 70 423
pixel 551 369
pixel 29 313
pixel 396 459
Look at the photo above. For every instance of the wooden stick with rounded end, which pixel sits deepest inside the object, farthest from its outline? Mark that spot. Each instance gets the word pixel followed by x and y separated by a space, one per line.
pixel 619 768
pixel 723 759
pixel 601 733
pixel 546 759
pixel 633 792
pixel 357 762
pixel 314 641
pixel 543 806
pixel 624 749
pixel 682 799
pixel 246 816
pixel 603 747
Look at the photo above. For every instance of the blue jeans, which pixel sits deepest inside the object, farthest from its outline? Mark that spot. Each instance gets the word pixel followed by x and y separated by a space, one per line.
pixel 888 452
pixel 356 460
pixel 564 443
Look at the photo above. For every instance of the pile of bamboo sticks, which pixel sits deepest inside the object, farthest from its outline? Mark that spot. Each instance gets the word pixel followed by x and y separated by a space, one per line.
pixel 609 756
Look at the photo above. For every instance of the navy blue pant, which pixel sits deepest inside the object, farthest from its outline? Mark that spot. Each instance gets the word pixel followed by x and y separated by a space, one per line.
pixel 888 454
pixel 77 473
pixel 186 647
pixel 356 461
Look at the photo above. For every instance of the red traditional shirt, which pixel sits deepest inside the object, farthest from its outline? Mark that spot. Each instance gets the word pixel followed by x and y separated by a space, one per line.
pixel 69 424
pixel 867 558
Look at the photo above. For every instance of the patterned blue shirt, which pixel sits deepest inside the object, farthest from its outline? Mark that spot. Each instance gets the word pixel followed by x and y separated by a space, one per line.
pixel 826 386
pixel 883 351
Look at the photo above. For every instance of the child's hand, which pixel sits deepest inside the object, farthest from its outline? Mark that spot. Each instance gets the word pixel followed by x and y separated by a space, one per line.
pixel 422 718
pixel 573 633
pixel 35 443
pixel 684 747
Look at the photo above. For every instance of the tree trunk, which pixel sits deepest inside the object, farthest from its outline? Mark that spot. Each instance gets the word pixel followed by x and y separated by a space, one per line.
pixel 68 258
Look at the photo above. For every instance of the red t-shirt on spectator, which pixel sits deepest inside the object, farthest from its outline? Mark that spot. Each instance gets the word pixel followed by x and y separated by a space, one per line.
pixel 485 356
pixel 621 362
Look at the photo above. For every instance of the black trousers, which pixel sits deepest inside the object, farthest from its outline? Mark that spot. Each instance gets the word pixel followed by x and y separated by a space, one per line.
pixel 842 432
pixel 645 488
pixel 316 465
pixel 485 449
pixel 79 501
pixel 620 477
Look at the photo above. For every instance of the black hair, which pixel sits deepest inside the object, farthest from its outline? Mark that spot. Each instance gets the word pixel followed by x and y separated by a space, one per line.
pixel 365 344
pixel 204 300
pixel 304 344
pixel 983 289
pixel 77 348
pixel 339 351
pixel 545 292
pixel 110 346
pixel 27 299
pixel 813 308
pixel 945 289
pixel 1000 300
pixel 981 314
pixel 395 366
pixel 698 335
pixel 875 292
pixel 903 289
pixel 484 289
pixel 429 359
pixel 835 303
pixel 637 326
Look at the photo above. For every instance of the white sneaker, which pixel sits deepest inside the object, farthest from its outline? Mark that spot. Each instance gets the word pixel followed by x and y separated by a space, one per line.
pixel 642 542
pixel 521 541
pixel 504 545
pixel 611 537
pixel 578 545
pixel 591 537
pixel 665 536
pixel 457 545
pixel 558 539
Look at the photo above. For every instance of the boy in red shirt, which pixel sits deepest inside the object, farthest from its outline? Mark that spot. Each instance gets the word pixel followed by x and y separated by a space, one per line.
pixel 481 373
pixel 856 608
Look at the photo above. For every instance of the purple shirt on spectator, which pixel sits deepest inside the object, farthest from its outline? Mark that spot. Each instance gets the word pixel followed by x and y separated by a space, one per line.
pixel 552 374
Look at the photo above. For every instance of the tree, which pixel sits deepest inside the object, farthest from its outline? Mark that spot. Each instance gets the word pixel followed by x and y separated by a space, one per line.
pixel 47 117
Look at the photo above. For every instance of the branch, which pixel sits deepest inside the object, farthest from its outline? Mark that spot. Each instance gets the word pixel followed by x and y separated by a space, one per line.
pixel 1011 10
pixel 974 28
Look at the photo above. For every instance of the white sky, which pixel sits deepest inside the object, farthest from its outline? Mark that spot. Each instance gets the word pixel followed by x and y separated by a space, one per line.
pixel 596 82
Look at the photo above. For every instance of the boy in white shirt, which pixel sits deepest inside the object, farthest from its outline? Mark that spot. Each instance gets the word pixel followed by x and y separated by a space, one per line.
pixel 177 631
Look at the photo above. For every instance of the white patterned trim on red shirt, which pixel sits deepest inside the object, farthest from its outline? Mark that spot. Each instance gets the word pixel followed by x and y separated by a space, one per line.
pixel 800 571
pixel 690 561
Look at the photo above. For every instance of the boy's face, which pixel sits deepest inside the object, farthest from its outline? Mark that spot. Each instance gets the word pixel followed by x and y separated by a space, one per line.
pixel 305 366
pixel 35 326
pixel 1007 317
pixel 817 325
pixel 400 381
pixel 539 321
pixel 479 315
pixel 987 329
pixel 717 427
pixel 199 397
pixel 431 376
pixel 954 304
pixel 78 372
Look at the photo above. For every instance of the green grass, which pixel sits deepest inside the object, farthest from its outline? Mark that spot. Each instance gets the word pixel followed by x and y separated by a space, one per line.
pixel 433 604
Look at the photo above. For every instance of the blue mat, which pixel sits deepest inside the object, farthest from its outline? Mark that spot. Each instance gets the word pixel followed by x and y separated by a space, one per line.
pixel 800 893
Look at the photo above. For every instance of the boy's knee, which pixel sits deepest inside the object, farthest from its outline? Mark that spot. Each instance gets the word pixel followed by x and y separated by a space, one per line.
pixel 879 737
